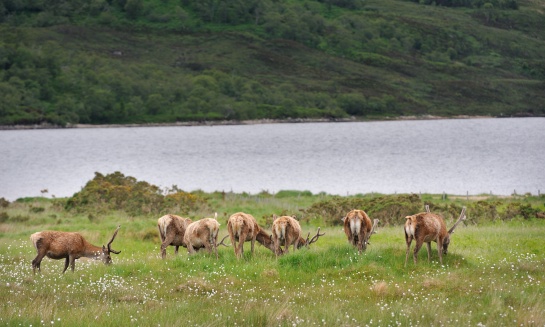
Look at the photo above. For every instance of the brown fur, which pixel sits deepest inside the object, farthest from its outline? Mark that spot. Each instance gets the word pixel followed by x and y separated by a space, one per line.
pixel 357 227
pixel 172 230
pixel 265 239
pixel 426 227
pixel 69 246
pixel 202 234
pixel 286 231
pixel 242 227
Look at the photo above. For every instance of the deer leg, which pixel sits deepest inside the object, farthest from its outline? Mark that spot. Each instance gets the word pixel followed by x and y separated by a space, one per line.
pixel 240 247
pixel 190 249
pixel 37 262
pixel 287 243
pixel 66 263
pixel 166 242
pixel 72 263
pixel 361 238
pixel 252 243
pixel 440 250
pixel 277 248
pixel 176 250
pixel 429 250
pixel 408 240
pixel 364 241
pixel 417 247
pixel 233 240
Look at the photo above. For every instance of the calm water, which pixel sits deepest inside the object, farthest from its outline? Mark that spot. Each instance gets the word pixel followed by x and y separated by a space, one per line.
pixel 433 156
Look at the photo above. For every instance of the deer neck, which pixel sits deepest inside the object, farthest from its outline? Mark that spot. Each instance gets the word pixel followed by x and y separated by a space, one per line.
pixel 264 239
pixel 91 251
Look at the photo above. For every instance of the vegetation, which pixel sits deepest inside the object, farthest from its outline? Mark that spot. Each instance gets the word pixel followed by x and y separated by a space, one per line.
pixel 493 274
pixel 134 61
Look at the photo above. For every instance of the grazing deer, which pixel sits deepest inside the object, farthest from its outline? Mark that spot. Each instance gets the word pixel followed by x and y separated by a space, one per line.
pixel 358 228
pixel 287 231
pixel 203 234
pixel 426 227
pixel 243 227
pixel 171 230
pixel 69 246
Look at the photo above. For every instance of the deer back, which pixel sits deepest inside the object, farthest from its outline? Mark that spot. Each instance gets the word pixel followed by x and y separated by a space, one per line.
pixel 282 226
pixel 58 245
pixel 174 226
pixel 354 221
pixel 201 231
pixel 242 222
pixel 425 227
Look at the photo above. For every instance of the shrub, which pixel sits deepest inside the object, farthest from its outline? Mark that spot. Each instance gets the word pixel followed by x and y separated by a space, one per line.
pixel 118 192
pixel 388 208
pixel 4 203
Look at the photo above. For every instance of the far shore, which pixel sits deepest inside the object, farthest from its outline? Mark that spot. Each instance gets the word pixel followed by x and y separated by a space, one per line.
pixel 240 122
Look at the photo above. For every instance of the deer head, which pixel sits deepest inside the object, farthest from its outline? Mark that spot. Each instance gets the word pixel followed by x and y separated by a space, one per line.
pixel 314 239
pixel 446 241
pixel 105 257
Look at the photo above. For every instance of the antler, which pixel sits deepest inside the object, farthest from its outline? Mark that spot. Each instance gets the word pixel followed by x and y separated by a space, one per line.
pixel 315 238
pixel 113 237
pixel 373 229
pixel 223 239
pixel 460 219
pixel 427 208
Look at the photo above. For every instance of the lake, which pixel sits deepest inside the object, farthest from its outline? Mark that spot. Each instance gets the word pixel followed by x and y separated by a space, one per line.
pixel 455 156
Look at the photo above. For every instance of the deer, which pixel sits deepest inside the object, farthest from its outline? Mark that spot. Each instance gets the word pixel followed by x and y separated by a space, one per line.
pixel 69 246
pixel 203 233
pixel 358 228
pixel 287 231
pixel 243 227
pixel 426 227
pixel 172 230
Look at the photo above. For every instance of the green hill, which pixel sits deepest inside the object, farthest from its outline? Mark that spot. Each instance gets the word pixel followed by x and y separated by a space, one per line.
pixel 134 61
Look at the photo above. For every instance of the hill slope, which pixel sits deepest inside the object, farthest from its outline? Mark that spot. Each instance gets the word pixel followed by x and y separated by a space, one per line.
pixel 130 61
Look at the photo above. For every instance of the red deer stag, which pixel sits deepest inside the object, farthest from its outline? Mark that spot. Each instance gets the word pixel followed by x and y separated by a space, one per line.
pixel 203 234
pixel 242 228
pixel 171 230
pixel 358 228
pixel 69 246
pixel 426 227
pixel 287 231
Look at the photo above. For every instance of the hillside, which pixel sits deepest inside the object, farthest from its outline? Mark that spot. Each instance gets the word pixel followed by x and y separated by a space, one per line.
pixel 135 61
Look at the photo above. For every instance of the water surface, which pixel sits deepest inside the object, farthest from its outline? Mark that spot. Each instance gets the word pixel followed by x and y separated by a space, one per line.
pixel 455 156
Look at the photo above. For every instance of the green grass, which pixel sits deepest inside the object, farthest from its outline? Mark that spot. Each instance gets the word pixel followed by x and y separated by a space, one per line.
pixel 494 275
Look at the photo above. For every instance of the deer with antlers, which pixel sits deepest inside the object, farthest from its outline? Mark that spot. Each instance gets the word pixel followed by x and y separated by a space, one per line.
pixel 69 246
pixel 426 227
pixel 286 231
pixel 172 230
pixel 358 228
pixel 203 234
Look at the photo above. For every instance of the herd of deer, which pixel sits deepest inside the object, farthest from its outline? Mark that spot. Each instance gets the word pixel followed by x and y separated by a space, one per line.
pixel 176 231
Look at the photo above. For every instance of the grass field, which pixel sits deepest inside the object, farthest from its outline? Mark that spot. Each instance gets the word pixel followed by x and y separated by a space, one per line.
pixel 494 275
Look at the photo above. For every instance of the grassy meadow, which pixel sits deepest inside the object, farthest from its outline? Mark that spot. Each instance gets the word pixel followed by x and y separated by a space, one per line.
pixel 494 275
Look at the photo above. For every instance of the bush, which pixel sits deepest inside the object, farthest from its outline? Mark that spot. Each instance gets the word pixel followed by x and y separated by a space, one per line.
pixel 118 192
pixel 389 209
